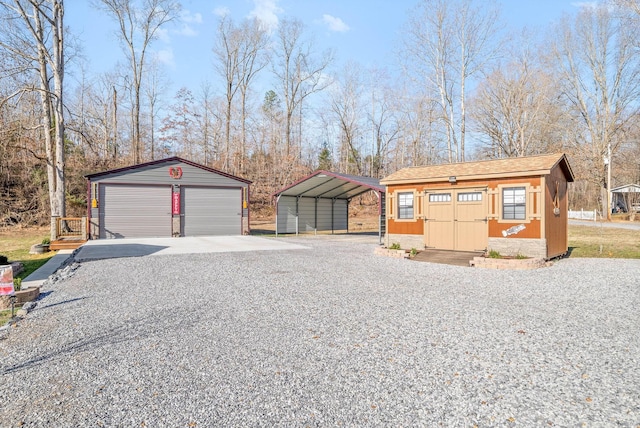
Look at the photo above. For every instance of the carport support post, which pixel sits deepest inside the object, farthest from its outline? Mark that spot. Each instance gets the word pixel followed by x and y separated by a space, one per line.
pixel 277 200
pixel 297 215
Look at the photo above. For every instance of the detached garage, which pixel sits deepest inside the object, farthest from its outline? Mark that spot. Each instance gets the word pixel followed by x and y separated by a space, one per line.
pixel 168 197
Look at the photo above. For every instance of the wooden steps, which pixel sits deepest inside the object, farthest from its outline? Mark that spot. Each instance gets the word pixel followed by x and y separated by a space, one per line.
pixel 66 244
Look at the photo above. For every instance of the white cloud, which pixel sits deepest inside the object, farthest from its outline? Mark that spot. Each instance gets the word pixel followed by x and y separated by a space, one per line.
pixel 165 56
pixel 585 4
pixel 221 11
pixel 191 18
pixel 266 11
pixel 335 24
pixel 187 30
pixel 163 35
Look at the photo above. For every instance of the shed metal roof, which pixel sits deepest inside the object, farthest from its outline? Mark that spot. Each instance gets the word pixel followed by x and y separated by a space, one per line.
pixel 628 188
pixel 331 185
pixel 508 167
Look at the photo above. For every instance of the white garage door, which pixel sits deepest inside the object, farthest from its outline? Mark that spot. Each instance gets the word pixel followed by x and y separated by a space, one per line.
pixel 211 211
pixel 135 211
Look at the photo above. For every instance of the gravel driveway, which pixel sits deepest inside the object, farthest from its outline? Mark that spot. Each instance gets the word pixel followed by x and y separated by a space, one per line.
pixel 327 336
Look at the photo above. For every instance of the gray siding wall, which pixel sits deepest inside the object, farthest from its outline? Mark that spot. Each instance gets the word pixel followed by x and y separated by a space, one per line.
pixel 340 215
pixel 307 214
pixel 159 174
pixel 286 214
pixel 306 211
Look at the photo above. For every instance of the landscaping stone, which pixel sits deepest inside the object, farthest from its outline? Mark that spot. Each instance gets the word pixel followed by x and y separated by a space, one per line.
pixel 508 263
pixel 398 254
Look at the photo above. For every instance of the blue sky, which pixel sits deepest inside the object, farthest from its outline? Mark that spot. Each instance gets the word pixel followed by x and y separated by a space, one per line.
pixel 362 30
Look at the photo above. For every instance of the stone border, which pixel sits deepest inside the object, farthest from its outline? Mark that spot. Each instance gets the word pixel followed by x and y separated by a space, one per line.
pixel 397 254
pixel 22 296
pixel 502 263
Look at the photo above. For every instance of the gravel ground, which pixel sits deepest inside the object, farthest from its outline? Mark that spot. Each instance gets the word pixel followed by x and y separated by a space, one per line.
pixel 328 336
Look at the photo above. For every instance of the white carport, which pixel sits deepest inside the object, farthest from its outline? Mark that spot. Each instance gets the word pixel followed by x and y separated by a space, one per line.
pixel 320 202
pixel 626 197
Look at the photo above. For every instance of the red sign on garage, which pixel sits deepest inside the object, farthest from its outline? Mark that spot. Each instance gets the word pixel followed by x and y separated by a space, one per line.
pixel 175 203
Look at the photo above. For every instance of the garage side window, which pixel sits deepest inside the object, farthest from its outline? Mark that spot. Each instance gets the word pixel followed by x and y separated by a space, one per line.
pixel 514 203
pixel 405 205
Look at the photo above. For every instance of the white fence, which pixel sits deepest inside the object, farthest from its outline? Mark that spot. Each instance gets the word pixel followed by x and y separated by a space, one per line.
pixel 584 215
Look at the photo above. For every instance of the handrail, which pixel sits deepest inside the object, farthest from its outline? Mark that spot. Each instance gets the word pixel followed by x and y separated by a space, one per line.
pixel 71 227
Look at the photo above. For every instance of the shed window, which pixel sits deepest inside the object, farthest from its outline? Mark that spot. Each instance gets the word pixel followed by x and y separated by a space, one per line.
pixel 405 205
pixel 469 197
pixel 514 203
pixel 440 197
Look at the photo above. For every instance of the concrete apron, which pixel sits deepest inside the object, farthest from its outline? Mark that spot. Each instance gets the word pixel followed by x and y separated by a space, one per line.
pixel 136 247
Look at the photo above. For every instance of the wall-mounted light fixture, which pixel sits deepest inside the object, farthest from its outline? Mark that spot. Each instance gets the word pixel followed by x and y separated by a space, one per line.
pixel 452 179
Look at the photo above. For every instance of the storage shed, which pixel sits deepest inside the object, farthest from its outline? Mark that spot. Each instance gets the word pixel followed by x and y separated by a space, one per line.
pixel 320 202
pixel 168 197
pixel 516 206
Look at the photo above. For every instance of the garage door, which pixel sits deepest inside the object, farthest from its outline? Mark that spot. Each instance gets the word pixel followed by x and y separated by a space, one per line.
pixel 456 220
pixel 211 211
pixel 135 211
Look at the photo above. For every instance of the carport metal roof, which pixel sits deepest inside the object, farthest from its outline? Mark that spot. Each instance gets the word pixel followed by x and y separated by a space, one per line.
pixel 331 185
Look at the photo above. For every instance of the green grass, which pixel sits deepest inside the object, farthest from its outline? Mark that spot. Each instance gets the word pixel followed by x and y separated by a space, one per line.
pixel 15 244
pixel 604 242
pixel 5 315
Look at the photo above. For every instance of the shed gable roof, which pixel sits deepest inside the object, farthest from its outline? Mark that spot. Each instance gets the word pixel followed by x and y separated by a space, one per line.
pixel 159 162
pixel 508 167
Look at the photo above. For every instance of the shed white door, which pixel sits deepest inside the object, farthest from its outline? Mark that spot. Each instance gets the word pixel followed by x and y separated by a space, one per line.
pixel 134 211
pixel 211 211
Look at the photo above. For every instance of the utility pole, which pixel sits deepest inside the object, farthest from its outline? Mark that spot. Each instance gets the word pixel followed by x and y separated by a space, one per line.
pixel 608 163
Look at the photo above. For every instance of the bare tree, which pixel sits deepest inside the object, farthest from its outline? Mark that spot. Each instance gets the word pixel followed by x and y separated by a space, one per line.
pixel 346 106
pixel 451 41
pixel 598 66
pixel 153 91
pixel 138 25
pixel 299 73
pixel 41 33
pixel 516 108
pixel 253 57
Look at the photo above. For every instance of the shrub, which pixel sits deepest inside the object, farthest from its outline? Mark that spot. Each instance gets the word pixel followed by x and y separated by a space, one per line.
pixel 521 256
pixel 494 254
pixel 413 252
pixel 17 284
pixel 46 241
pixel 4 260
pixel 395 246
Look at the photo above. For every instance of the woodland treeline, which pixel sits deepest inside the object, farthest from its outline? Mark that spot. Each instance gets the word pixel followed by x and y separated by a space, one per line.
pixel 459 88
